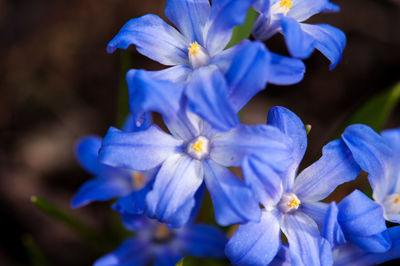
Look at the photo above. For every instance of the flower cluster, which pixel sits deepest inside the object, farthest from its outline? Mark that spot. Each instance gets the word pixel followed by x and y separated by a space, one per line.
pixel 160 175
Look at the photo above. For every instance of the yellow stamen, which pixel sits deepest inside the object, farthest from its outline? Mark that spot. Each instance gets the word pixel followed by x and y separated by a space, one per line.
pixel 193 49
pixel 293 203
pixel 198 146
pixel 138 180
pixel 397 199
pixel 286 4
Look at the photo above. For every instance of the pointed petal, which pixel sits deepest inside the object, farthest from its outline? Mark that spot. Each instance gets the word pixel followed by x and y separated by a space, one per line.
pixel 306 246
pixel 147 94
pixel 172 198
pixel 255 243
pixel 291 125
pixel 135 202
pixel 131 252
pixel 189 17
pixel 203 241
pixel 372 154
pixel 207 95
pixel 246 75
pixel 362 222
pixel 392 139
pixel 331 229
pixel 316 210
pixel 285 70
pixel 299 44
pixel 225 16
pixel 132 125
pixel 302 10
pixel 329 40
pixel 153 38
pixel 138 151
pixel 265 142
pixel 167 256
pixel 87 153
pixel 359 215
pixel 263 180
pixel 233 201
pixel 336 166
pixel 101 189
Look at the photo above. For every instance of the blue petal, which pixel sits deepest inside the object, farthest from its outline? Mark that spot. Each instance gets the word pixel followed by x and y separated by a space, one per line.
pixel 306 246
pixel 299 43
pixel 282 258
pixel 392 139
pixel 329 40
pixel 336 166
pixel 376 243
pixel 101 189
pixel 316 210
pixel 362 222
pixel 138 151
pixel 265 142
pixel 153 38
pixel 352 255
pixel 285 70
pixel 255 243
pixel 246 76
pixel 177 74
pixel 207 95
pixel 87 153
pixel 132 125
pixel 149 94
pixel 302 10
pixel 167 255
pixel 148 91
pixel 263 180
pixel 172 197
pixel 262 6
pixel 135 202
pixel 131 252
pixel 372 154
pixel 291 125
pixel 225 16
pixel 189 17
pixel 203 241
pixel 233 201
pixel 331 229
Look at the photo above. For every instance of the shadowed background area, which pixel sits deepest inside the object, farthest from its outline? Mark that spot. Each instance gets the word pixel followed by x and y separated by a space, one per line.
pixel 58 83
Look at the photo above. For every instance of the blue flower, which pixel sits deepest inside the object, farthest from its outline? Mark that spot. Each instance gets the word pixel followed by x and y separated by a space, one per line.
pixel 194 152
pixel 379 156
pixel 286 17
pixel 291 204
pixel 109 182
pixel 199 47
pixel 154 243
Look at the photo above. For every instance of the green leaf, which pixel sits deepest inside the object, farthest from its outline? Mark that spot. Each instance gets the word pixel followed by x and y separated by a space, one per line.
pixel 94 239
pixel 377 110
pixel 36 256
pixel 123 95
pixel 243 31
pixel 180 263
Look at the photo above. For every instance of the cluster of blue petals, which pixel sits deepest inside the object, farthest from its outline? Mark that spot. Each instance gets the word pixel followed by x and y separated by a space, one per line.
pixel 159 176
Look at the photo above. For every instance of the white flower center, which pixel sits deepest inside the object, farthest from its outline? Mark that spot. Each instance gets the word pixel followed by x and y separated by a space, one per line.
pixel 282 7
pixel 199 148
pixel 198 56
pixel 392 204
pixel 289 203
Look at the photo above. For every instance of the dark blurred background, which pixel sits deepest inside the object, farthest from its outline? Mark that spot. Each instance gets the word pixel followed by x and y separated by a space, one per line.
pixel 58 83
